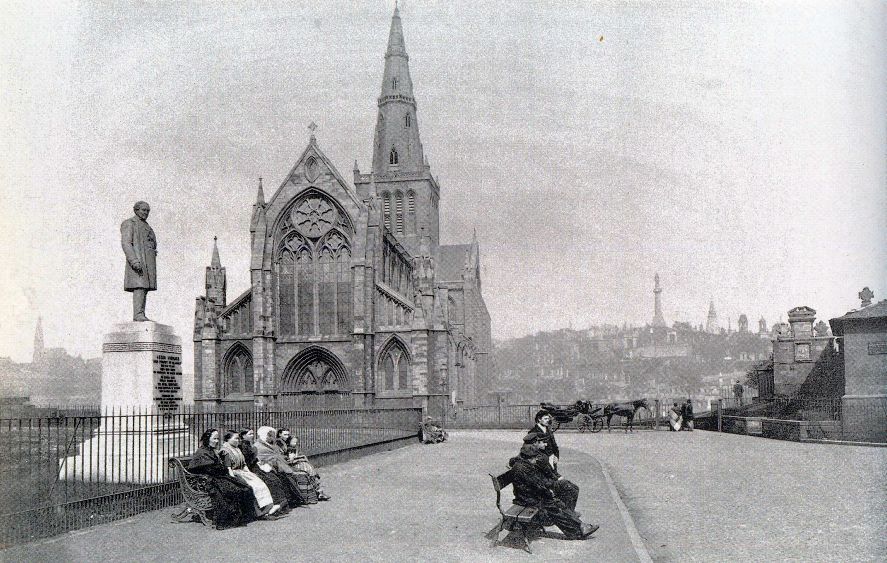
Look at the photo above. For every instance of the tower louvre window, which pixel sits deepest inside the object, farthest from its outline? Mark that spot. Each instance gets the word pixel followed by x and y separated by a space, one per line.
pixel 386 209
pixel 411 212
pixel 408 120
pixel 392 156
pixel 394 82
pixel 398 212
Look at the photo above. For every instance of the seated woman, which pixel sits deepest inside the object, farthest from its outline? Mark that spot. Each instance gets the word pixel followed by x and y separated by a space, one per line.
pixel 432 433
pixel 232 498
pixel 674 418
pixel 236 464
pixel 281 491
pixel 269 453
pixel 299 462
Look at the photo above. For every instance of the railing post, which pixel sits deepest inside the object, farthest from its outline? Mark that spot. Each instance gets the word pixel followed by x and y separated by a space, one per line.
pixel 720 413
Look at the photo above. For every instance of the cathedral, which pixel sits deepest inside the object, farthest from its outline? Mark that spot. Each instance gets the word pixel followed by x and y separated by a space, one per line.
pixel 353 300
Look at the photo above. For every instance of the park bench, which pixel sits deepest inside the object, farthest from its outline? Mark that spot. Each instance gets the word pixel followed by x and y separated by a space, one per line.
pixel 193 487
pixel 516 517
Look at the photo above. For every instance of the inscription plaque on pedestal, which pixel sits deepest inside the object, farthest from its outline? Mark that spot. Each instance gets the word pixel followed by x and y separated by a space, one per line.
pixel 167 381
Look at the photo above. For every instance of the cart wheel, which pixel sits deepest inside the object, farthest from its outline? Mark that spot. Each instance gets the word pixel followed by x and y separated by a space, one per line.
pixel 555 424
pixel 597 425
pixel 583 423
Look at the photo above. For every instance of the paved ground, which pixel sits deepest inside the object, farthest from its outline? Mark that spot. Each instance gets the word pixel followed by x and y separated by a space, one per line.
pixel 697 496
pixel 704 496
pixel 418 503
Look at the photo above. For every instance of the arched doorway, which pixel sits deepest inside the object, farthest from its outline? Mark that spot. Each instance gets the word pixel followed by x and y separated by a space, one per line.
pixel 315 378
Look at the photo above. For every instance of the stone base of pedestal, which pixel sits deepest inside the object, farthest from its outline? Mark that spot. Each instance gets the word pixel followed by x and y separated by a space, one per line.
pixel 125 451
pixel 863 417
pixel 142 389
pixel 142 366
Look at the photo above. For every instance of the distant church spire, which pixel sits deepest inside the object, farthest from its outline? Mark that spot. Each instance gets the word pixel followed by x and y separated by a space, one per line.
pixel 658 319
pixel 711 323
pixel 216 282
pixel 260 196
pixel 216 261
pixel 396 145
pixel 38 341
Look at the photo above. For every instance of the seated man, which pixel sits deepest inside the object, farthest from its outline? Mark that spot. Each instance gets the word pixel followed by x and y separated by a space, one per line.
pixel 533 487
pixel 431 432
pixel 564 490
pixel 542 429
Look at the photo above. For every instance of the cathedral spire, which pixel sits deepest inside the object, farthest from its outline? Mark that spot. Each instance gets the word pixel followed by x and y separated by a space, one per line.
pixel 396 146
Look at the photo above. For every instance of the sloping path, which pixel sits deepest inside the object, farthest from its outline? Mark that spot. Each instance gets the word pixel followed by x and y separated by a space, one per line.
pixel 417 503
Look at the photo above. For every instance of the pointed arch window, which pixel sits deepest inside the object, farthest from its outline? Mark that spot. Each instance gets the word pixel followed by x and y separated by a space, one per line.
pixel 408 121
pixel 398 213
pixel 392 156
pixel 395 367
pixel 238 375
pixel 313 271
pixel 394 83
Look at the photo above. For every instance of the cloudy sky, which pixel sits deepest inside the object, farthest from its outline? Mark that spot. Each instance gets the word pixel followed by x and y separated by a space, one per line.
pixel 736 148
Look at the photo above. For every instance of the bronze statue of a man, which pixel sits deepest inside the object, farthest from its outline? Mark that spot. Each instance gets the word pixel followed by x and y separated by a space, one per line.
pixel 140 246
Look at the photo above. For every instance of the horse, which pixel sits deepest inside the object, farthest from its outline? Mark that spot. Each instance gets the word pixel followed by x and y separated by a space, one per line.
pixel 628 410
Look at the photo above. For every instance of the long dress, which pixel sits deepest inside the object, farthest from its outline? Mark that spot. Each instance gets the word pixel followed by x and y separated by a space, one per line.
pixel 280 490
pixel 236 463
pixel 232 499
pixel 271 454
pixel 674 419
pixel 299 462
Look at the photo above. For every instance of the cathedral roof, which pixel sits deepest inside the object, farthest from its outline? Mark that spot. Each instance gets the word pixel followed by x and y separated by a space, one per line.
pixel 451 262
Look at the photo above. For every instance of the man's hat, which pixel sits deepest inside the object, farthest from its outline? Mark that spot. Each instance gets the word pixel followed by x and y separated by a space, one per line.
pixel 527 451
pixel 532 438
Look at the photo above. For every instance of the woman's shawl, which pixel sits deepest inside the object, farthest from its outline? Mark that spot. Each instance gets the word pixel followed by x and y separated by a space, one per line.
pixel 206 461
pixel 271 454
pixel 232 457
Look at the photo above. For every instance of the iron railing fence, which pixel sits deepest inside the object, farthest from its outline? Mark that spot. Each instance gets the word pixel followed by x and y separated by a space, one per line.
pixel 504 416
pixel 788 408
pixel 64 472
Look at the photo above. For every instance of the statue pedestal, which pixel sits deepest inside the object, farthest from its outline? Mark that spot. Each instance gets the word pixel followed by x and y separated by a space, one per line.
pixel 142 425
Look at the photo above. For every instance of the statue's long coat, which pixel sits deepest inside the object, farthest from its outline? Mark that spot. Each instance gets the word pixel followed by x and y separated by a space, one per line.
pixel 139 243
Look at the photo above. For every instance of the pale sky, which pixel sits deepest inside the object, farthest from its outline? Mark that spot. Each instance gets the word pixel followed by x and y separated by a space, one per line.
pixel 738 149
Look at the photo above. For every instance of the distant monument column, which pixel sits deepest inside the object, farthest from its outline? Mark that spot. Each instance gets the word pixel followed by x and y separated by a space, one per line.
pixel 658 319
pixel 141 382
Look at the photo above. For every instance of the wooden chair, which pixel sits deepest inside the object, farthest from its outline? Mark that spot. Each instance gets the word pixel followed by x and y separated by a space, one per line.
pixel 516 517
pixel 193 487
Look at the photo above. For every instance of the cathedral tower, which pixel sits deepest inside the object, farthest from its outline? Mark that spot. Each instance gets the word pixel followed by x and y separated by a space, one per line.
pixel 400 175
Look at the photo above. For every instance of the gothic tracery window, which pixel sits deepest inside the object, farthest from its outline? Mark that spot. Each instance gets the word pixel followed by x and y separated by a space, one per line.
pixel 313 267
pixel 392 156
pixel 395 367
pixel 238 376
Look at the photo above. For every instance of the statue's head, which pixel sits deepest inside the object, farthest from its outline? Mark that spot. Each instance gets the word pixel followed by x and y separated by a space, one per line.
pixel 142 209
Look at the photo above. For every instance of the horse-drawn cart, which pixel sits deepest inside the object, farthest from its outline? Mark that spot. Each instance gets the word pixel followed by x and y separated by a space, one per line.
pixel 587 418
pixel 592 419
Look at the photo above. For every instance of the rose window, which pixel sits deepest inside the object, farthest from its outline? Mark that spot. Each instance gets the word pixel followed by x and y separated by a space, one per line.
pixel 314 217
